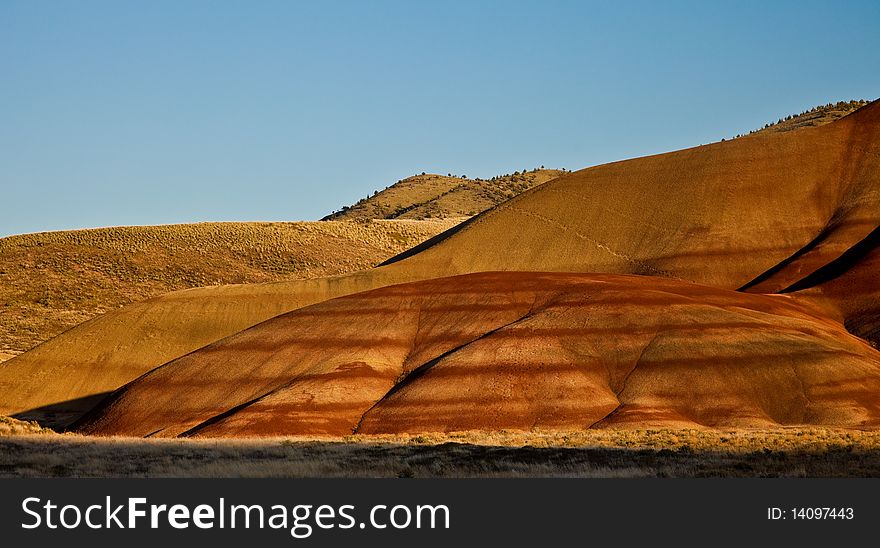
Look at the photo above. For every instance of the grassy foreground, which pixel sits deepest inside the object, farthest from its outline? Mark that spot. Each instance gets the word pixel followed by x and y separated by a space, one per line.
pixel 593 453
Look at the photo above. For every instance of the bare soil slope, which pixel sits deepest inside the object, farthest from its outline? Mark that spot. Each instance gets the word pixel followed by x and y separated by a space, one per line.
pixel 761 214
pixel 51 281
pixel 527 351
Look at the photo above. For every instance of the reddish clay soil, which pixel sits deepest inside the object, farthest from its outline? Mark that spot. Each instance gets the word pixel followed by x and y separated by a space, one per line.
pixel 513 350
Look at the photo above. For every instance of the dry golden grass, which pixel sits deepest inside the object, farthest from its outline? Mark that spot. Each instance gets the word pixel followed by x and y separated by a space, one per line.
pixel 810 452
pixel 52 281
pixel 14 427
pixel 740 440
pixel 429 195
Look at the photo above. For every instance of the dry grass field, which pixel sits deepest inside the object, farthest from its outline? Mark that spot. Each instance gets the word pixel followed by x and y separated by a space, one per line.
pixel 594 453
pixel 52 281
pixel 429 196
pixel 14 427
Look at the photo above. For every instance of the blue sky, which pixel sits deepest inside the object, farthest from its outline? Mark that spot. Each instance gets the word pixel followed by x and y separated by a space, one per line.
pixel 121 113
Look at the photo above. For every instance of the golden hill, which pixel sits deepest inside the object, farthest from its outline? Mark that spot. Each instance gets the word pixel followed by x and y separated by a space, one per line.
pixel 52 281
pixel 428 196
pixel 784 212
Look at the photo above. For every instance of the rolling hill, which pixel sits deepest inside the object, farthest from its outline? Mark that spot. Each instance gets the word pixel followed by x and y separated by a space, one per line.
pixel 51 281
pixel 777 212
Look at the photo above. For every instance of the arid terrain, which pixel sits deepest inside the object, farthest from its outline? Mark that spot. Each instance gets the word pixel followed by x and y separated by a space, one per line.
pixel 724 292
pixel 527 351
pixel 53 281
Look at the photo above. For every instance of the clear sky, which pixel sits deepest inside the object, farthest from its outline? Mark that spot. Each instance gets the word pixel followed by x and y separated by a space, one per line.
pixel 121 113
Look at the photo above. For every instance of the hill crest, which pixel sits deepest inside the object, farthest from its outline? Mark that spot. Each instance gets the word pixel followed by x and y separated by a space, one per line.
pixel 430 195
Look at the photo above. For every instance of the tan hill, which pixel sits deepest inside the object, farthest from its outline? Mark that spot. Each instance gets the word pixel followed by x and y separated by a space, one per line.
pixel 52 281
pixel 428 196
pixel 816 116
pixel 528 351
pixel 763 214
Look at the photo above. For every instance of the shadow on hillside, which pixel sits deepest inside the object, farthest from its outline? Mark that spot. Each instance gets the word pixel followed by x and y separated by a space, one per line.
pixel 839 265
pixel 58 416
pixel 431 242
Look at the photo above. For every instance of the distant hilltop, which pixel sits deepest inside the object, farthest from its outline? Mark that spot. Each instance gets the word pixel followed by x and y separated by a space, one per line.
pixel 816 116
pixel 428 195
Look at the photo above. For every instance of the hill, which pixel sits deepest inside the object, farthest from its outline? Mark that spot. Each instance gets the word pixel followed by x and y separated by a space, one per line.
pixel 429 196
pixel 528 351
pixel 816 116
pixel 786 212
pixel 52 281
